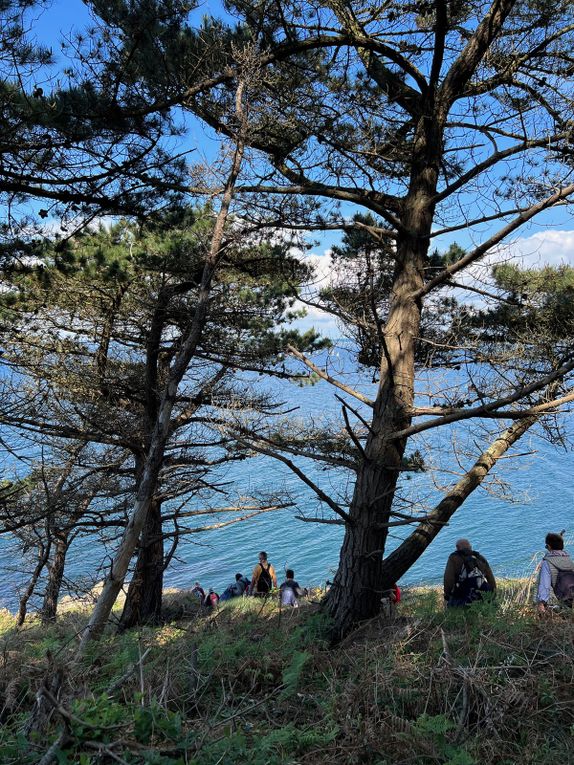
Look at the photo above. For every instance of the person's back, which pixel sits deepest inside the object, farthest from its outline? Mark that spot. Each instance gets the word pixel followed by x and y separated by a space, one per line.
pixel 198 591
pixel 241 584
pixel 556 573
pixel 236 588
pixel 290 590
pixel 467 576
pixel 263 578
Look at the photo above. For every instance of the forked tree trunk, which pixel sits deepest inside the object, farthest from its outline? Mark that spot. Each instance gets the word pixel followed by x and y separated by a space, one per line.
pixel 55 578
pixel 162 430
pixel 43 556
pixel 144 597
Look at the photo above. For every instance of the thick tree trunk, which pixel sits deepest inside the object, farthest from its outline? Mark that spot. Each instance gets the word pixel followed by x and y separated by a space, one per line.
pixel 358 584
pixel 144 598
pixel 55 577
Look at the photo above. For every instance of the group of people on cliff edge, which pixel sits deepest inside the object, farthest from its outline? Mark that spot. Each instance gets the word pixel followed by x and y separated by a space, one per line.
pixel 468 576
pixel 263 581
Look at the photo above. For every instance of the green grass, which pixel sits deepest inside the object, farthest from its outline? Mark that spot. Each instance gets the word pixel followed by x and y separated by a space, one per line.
pixel 252 684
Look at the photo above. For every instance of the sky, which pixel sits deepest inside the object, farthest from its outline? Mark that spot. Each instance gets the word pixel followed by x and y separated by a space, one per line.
pixel 549 239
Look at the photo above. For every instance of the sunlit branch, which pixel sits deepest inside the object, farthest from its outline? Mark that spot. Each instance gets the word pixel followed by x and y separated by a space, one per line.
pixel 324 376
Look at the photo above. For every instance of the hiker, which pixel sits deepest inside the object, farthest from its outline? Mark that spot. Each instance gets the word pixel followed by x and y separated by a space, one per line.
pixel 211 600
pixel 467 575
pixel 290 590
pixel 237 588
pixel 263 578
pixel 198 591
pixel 556 573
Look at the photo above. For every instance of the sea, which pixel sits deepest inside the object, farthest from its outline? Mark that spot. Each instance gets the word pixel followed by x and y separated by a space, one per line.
pixel 530 493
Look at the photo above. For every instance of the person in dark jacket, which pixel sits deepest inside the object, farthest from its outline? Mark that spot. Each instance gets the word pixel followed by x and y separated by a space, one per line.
pixel 237 588
pixel 467 575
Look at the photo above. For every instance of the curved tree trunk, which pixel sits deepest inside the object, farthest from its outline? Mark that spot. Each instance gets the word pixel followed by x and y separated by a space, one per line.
pixel 43 555
pixel 144 598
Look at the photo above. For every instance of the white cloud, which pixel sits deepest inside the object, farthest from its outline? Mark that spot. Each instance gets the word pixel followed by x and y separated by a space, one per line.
pixel 552 248
pixel 323 322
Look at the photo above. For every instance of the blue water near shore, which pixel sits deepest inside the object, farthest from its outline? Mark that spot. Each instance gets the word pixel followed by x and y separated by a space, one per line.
pixel 510 534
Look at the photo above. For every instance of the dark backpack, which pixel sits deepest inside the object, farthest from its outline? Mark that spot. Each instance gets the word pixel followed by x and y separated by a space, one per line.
pixel 264 583
pixel 564 585
pixel 471 580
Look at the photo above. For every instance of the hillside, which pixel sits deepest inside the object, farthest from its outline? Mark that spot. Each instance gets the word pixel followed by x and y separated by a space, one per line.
pixel 253 684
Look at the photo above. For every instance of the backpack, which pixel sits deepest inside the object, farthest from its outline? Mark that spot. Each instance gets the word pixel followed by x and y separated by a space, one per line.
pixel 471 580
pixel 211 600
pixel 264 583
pixel 564 585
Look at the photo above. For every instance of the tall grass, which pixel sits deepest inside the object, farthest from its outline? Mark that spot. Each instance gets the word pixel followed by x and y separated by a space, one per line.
pixel 251 683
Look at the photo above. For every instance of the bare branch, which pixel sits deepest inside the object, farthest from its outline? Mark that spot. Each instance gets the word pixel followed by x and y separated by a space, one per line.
pixel 324 376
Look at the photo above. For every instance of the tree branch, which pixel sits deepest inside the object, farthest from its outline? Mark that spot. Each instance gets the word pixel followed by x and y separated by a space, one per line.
pixel 480 251
pixel 324 376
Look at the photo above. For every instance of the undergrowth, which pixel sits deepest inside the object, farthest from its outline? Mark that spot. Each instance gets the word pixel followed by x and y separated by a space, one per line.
pixel 252 684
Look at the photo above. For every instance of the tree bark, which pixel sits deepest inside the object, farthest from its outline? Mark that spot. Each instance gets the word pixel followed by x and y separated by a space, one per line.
pixel 401 559
pixel 144 598
pixel 358 584
pixel 55 577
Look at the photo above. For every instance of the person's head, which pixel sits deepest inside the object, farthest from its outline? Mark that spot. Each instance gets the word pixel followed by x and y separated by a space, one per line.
pixel 290 574
pixel 262 557
pixel 463 545
pixel 554 541
pixel 238 577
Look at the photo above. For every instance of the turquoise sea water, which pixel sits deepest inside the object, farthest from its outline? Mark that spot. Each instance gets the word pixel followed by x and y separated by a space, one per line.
pixel 509 533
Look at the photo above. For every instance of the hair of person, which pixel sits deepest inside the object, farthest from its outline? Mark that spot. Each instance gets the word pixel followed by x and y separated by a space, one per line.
pixel 290 574
pixel 238 577
pixel 263 555
pixel 463 544
pixel 554 541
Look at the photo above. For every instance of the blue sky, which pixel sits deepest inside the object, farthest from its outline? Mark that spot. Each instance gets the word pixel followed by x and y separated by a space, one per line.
pixel 547 239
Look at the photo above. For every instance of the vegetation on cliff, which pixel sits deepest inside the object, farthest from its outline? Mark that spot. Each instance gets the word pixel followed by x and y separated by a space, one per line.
pixel 254 684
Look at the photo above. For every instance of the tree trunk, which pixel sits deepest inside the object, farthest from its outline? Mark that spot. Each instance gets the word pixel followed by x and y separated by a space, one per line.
pixel 144 598
pixel 358 584
pixel 162 429
pixel 43 555
pixel 55 577
pixel 401 559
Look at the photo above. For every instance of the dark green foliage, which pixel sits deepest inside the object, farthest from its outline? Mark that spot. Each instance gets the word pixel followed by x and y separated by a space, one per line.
pixel 539 303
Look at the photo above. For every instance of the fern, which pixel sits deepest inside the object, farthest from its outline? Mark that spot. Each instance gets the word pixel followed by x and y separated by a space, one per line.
pixel 292 673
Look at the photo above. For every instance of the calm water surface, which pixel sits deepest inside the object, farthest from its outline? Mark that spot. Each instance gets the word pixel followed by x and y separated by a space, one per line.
pixel 508 533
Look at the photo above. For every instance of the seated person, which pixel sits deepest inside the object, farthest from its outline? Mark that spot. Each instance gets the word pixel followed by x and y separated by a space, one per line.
pixel 198 591
pixel 290 590
pixel 237 588
pixel 467 576
pixel 211 599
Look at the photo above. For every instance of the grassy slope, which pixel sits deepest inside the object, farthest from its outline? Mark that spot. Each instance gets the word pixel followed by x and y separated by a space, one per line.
pixel 252 685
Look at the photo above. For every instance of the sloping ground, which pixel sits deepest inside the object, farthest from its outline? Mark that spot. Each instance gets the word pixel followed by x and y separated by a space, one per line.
pixel 256 685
